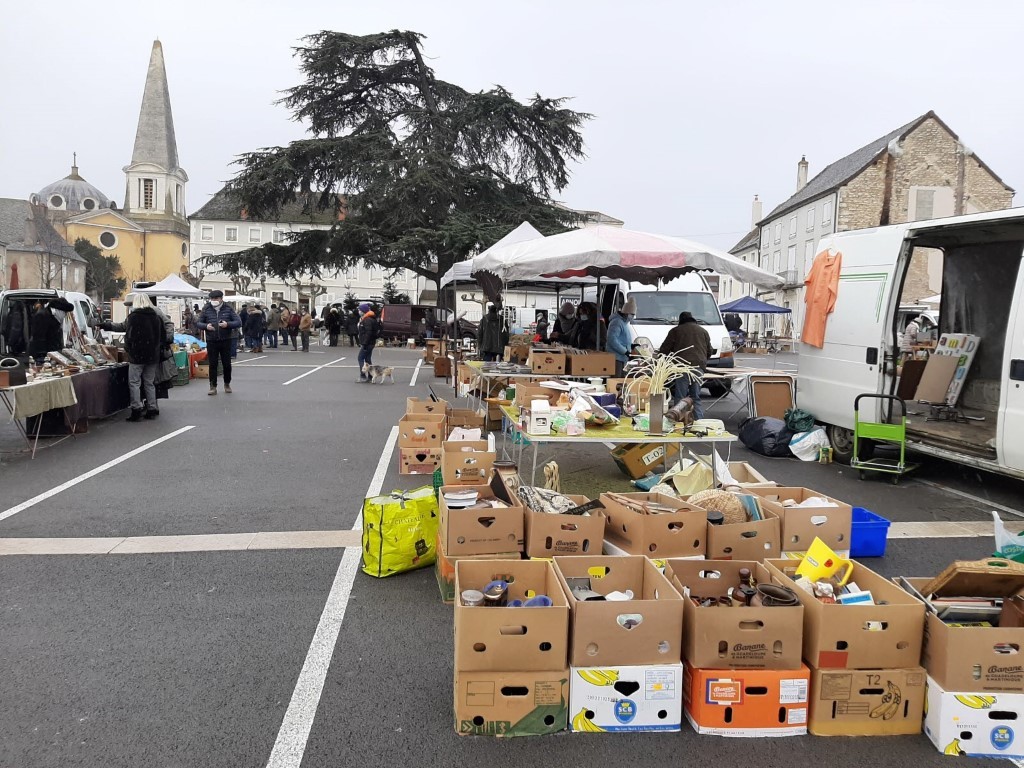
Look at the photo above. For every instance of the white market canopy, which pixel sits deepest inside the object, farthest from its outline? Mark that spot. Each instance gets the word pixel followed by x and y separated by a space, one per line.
pixel 463 271
pixel 236 298
pixel 611 252
pixel 172 285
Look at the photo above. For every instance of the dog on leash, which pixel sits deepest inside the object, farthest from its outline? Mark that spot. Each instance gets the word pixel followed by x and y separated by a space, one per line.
pixel 379 374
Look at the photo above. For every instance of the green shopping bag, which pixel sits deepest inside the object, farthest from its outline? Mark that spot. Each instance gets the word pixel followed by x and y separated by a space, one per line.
pixel 399 532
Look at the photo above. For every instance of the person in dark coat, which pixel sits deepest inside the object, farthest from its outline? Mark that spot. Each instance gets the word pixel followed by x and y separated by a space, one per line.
pixel 145 334
pixel 352 328
pixel 220 322
pixel 333 323
pixel 586 329
pixel 564 328
pixel 255 325
pixel 46 334
pixel 489 335
pixel 692 343
pixel 14 329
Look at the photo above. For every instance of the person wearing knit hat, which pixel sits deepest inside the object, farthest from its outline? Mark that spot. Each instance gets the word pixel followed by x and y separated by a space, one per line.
pixel 367 332
pixel 564 328
pixel 620 339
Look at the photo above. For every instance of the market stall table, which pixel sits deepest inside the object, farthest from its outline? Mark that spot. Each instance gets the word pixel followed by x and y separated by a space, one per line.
pixel 34 399
pixel 481 373
pixel 617 434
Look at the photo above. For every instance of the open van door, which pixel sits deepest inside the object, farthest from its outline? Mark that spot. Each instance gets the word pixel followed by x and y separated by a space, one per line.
pixel 858 331
pixel 1011 407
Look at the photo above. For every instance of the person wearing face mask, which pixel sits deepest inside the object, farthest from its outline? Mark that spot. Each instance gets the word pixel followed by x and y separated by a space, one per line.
pixel 619 337
pixel 586 328
pixel 219 321
pixel 564 329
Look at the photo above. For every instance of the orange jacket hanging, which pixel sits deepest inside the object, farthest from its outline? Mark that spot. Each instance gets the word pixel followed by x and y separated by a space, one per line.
pixel 822 287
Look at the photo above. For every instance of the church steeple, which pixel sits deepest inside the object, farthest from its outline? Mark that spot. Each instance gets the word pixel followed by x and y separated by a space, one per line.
pixel 154 138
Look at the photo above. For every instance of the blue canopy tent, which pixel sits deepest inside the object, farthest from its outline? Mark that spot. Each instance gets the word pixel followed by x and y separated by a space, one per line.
pixel 750 306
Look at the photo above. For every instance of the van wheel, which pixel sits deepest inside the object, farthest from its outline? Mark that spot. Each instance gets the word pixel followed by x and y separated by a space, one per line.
pixel 842 443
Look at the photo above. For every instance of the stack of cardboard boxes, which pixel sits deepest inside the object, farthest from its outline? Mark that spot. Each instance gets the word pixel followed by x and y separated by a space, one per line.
pixel 866 678
pixel 744 675
pixel 421 431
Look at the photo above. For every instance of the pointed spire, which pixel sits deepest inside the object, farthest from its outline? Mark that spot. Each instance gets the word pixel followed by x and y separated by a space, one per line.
pixel 154 139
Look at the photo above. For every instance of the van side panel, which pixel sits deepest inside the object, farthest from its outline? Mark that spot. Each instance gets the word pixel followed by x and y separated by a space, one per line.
pixel 1009 440
pixel 831 378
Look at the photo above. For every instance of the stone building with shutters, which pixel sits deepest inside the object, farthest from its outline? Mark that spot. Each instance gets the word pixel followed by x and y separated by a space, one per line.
pixel 921 170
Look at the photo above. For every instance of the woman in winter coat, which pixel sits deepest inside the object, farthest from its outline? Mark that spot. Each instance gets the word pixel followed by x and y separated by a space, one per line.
pixel 489 333
pixel 254 328
pixel 305 326
pixel 352 328
pixel 333 323
pixel 286 321
pixel 273 325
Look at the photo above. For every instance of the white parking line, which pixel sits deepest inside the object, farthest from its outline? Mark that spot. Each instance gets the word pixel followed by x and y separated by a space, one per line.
pixel 250 359
pixel 91 473
pixel 983 503
pixel 307 373
pixel 419 364
pixel 293 736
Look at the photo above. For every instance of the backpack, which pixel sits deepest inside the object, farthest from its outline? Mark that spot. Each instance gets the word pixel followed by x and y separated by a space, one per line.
pixel 143 336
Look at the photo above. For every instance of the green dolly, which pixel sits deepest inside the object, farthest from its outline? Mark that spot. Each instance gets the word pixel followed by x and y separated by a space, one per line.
pixel 880 432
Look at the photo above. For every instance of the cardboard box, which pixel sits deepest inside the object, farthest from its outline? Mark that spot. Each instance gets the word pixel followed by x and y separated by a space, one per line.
pixel 867 702
pixel 527 393
pixel 466 374
pixel 444 568
pixel 859 636
pixel 635 698
pixel 678 534
pixel 431 349
pixel 551 361
pixel 756 540
pixel 429 407
pixel 421 430
pixel 581 363
pixel 982 659
pixel 637 459
pixel 645 630
pixel 550 535
pixel 466 462
pixel 801 526
pixel 508 704
pixel 442 367
pixel 969 724
pixel 418 461
pixel 641 390
pixel 746 703
pixel 466 418
pixel 734 638
pixel 480 531
pixel 748 477
pixel 530 639
pixel 517 353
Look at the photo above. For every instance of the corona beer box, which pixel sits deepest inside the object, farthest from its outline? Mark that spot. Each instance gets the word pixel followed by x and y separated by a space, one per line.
pixel 638 698
pixel 747 702
pixel 975 724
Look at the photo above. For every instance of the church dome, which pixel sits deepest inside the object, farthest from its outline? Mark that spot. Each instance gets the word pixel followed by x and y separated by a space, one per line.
pixel 73 193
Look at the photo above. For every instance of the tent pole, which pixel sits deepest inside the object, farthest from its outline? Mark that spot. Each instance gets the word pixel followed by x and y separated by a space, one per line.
pixel 597 314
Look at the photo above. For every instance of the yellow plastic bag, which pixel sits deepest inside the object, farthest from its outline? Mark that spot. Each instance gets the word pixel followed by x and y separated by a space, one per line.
pixel 693 478
pixel 399 532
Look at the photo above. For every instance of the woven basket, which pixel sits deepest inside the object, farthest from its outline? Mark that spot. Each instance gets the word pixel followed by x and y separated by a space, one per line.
pixel 721 501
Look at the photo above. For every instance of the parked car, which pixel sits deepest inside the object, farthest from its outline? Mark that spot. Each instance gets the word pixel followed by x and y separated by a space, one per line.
pixel 21 301
pixel 403 321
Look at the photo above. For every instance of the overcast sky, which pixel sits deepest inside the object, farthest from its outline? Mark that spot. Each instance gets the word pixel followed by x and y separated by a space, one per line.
pixel 698 106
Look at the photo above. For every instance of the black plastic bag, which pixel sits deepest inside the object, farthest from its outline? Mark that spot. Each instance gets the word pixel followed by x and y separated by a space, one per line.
pixel 766 436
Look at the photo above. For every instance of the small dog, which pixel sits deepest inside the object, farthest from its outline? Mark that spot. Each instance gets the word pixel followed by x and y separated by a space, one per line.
pixel 379 374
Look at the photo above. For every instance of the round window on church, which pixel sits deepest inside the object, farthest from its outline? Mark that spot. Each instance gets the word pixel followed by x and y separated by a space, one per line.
pixel 184 249
pixel 108 239
pixel 57 201
pixel 88 203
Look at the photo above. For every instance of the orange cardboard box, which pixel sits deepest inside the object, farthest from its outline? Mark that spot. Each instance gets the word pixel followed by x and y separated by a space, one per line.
pixel 682 533
pixel 734 638
pixel 491 639
pixel 800 526
pixel 837 636
pixel 466 462
pixel 480 531
pixel 444 568
pixel 748 702
pixel 867 702
pixel 550 535
pixel 505 704
pixel 645 630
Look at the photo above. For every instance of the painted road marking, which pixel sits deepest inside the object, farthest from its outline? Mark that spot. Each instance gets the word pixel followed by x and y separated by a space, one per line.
pixel 416 373
pixel 307 373
pixel 983 503
pixel 293 736
pixel 216 542
pixel 250 359
pixel 91 473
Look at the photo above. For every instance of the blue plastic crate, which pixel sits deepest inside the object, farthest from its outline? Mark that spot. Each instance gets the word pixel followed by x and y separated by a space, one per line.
pixel 869 534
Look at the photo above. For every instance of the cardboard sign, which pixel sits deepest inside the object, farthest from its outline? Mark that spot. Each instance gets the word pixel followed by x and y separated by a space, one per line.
pixel 682 533
pixel 963 347
pixel 969 724
pixel 626 698
pixel 801 526
pixel 503 704
pixel 935 381
pixel 739 637
pixel 867 702
pixel 746 703
pixel 637 459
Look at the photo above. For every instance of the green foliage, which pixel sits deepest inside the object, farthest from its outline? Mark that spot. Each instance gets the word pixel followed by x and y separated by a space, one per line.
pixel 102 273
pixel 430 172
pixel 350 302
pixel 391 293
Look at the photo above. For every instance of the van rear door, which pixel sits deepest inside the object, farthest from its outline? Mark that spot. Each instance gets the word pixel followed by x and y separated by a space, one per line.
pixel 1010 445
pixel 852 360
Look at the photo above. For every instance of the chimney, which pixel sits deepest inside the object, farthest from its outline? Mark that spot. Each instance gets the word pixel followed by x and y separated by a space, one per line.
pixel 755 212
pixel 801 173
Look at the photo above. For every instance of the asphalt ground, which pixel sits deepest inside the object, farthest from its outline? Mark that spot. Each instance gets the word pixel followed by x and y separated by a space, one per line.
pixel 192 659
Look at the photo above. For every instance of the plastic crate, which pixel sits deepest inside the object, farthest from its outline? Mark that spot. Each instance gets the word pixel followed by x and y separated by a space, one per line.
pixel 182 377
pixel 869 535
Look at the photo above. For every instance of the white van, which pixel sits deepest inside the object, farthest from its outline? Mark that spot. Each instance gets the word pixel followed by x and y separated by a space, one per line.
pixel 981 294
pixel 20 301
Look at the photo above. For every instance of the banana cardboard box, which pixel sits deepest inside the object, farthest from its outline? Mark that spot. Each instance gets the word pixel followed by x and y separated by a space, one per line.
pixel 974 724
pixel 867 702
pixel 634 698
pixel 511 703
pixel 746 702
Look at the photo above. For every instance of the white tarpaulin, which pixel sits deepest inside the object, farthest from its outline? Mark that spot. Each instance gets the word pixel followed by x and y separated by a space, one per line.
pixel 172 285
pixel 616 253
pixel 463 271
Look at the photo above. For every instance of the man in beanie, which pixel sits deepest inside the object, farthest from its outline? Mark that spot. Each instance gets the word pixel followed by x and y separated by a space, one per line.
pixel 620 339
pixel 692 344
pixel 564 329
pixel 367 332
pixel 219 321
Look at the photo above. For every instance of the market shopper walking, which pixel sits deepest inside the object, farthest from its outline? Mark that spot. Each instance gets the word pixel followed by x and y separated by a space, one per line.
pixel 619 337
pixel 305 328
pixel 489 334
pixel 145 334
pixel 367 332
pixel 692 344
pixel 220 322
